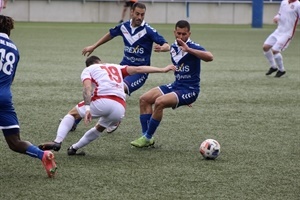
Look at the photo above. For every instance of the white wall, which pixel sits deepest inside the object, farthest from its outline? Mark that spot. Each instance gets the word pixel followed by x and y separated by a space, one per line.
pixel 77 11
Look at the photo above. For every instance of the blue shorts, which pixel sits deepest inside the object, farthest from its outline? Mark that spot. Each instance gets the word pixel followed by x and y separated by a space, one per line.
pixel 184 96
pixel 135 82
pixel 8 121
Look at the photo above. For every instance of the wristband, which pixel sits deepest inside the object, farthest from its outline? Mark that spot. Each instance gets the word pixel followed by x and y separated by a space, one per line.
pixel 87 107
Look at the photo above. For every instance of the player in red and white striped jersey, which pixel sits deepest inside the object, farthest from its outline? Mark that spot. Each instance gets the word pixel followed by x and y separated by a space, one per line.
pixel 103 97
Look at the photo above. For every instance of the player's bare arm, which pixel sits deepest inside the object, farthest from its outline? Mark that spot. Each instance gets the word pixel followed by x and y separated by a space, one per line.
pixel 87 92
pixel 162 48
pixel 203 55
pixel 89 49
pixel 149 69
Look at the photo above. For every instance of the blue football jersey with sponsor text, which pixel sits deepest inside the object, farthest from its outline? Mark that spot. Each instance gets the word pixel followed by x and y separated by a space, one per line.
pixel 9 56
pixel 138 42
pixel 188 66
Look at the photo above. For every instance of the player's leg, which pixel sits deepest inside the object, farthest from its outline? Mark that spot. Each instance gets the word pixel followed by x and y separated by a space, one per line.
pixel 125 7
pixel 110 112
pixel 4 3
pixel 131 84
pixel 267 49
pixel 169 100
pixel 162 102
pixel 64 128
pixel 12 137
pixel 1 4
pixel 146 101
pixel 281 44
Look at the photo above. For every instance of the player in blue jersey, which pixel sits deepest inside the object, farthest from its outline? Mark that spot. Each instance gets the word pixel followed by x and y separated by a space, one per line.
pixel 186 55
pixel 138 38
pixel 9 124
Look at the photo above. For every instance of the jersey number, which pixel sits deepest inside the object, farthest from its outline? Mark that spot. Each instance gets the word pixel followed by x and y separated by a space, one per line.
pixel 113 73
pixel 8 66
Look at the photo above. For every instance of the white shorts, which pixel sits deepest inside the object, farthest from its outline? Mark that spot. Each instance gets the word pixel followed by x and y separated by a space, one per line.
pixel 109 111
pixel 278 41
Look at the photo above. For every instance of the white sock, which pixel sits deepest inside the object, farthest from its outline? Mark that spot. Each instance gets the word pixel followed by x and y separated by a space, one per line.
pixel 87 138
pixel 270 57
pixel 64 128
pixel 279 61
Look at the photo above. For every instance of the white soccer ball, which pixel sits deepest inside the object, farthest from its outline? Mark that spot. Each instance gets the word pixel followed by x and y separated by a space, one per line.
pixel 210 149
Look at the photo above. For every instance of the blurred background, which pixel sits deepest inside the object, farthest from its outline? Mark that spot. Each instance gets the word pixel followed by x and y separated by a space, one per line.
pixel 158 11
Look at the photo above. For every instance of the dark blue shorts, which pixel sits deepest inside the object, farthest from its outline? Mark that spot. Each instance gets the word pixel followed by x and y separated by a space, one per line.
pixel 8 121
pixel 184 96
pixel 135 82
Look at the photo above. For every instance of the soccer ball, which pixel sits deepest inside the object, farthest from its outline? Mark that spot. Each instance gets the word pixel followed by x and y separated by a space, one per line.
pixel 210 149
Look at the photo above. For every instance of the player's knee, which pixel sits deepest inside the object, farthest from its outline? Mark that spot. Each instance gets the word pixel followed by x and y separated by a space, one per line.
pixel 142 100
pixel 159 103
pixel 266 48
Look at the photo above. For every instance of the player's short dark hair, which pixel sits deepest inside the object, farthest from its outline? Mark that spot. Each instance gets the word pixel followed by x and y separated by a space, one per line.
pixel 138 5
pixel 6 24
pixel 183 24
pixel 92 60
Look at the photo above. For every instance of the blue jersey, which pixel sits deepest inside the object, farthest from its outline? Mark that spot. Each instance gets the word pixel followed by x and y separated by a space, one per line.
pixel 9 56
pixel 188 67
pixel 138 42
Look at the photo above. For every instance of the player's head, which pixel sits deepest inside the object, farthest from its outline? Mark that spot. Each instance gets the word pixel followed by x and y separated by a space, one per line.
pixel 92 60
pixel 182 30
pixel 138 11
pixel 6 24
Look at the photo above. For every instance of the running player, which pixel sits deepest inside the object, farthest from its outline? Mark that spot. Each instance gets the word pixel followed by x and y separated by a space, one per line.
pixel 9 124
pixel 287 21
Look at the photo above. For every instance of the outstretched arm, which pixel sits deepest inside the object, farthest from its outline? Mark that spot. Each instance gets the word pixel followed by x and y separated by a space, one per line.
pixel 162 48
pixel 203 55
pixel 89 49
pixel 149 69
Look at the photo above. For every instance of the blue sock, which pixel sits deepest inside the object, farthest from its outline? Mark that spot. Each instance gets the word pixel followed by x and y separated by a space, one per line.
pixel 77 121
pixel 144 120
pixel 153 124
pixel 35 152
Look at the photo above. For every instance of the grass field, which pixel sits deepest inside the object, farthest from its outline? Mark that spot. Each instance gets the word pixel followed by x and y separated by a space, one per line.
pixel 255 118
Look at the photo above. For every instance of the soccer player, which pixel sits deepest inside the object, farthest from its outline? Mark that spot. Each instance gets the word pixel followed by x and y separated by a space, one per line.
pixel 9 124
pixel 3 4
pixel 127 4
pixel 186 55
pixel 138 38
pixel 103 98
pixel 286 20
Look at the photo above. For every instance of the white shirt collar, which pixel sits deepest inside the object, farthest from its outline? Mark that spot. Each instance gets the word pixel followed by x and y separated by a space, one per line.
pixel 4 35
